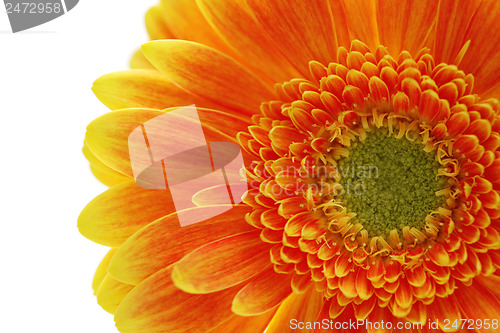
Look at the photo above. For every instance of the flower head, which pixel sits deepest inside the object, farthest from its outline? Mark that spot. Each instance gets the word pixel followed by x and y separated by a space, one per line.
pixel 371 139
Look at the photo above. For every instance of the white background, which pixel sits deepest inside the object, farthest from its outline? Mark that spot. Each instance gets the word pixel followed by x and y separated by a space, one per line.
pixel 46 75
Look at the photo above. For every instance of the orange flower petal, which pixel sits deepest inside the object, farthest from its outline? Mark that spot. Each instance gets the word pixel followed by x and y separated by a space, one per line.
pixel 208 73
pixel 481 128
pixel 185 21
pixel 101 171
pixel 405 25
pixel 139 61
pixel 404 294
pixel 416 277
pixel 343 264
pixel 392 271
pixel 493 142
pixel 107 136
pixel 378 90
pixel 234 22
pixel 362 310
pixel 364 287
pixel 492 172
pixel 340 23
pixel 300 308
pixel 108 179
pixel 116 214
pixel 283 136
pixel 102 270
pixel 429 105
pixel 457 123
pixel 222 264
pixel 245 324
pixel 137 258
pixel 444 308
pixel 465 144
pixel 476 301
pixel 301 282
pixel 143 88
pixel 376 270
pixel 491 199
pixel 347 285
pixel 439 255
pixel 335 309
pixel 157 305
pixel 156 25
pixel 382 314
pixel 418 313
pixel 481 57
pixel 491 283
pixel 111 293
pixel 452 22
pixel 262 293
pixel 216 195
pixel 362 27
pixel 304 27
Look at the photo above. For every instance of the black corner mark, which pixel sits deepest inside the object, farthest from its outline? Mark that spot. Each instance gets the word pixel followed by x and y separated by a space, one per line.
pixel 26 14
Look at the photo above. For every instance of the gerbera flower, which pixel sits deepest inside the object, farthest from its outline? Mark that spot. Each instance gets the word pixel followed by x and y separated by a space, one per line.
pixel 371 136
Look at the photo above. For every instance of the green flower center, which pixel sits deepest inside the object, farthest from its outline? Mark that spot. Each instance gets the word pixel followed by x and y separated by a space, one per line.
pixel 390 183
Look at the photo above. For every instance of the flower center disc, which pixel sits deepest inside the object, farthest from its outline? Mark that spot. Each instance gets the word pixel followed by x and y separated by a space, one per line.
pixel 389 183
